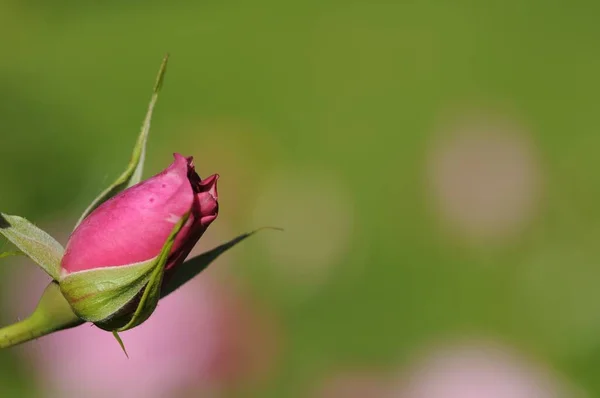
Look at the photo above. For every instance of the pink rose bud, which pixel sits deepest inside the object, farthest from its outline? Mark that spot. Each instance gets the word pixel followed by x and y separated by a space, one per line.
pixel 132 228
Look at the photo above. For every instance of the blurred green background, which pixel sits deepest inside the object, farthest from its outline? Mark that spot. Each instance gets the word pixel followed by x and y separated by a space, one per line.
pixel 434 164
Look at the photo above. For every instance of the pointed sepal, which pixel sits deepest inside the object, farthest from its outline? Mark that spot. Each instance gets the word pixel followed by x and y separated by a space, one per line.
pixel 151 294
pixel 34 242
pixel 133 173
pixel 98 294
pixel 120 341
pixel 189 269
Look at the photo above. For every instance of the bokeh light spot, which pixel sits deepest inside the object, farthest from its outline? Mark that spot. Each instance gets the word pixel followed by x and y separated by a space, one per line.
pixel 480 370
pixel 484 177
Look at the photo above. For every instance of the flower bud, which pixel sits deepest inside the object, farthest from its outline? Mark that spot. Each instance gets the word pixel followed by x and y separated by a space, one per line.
pixel 114 253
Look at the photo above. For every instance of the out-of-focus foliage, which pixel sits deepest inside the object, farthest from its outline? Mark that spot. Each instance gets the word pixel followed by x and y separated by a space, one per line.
pixel 434 165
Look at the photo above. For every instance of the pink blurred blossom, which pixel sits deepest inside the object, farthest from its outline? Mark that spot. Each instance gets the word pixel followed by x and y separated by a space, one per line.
pixel 355 384
pixel 206 337
pixel 484 176
pixel 480 371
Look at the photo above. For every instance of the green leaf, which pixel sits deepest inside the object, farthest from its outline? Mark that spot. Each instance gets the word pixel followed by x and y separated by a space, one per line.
pixel 151 295
pixel 189 269
pixel 133 174
pixel 35 243
pixel 11 253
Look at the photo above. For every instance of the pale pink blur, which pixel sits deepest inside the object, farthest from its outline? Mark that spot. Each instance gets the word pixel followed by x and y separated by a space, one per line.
pixel 472 369
pixel 484 176
pixel 477 370
pixel 354 384
pixel 207 337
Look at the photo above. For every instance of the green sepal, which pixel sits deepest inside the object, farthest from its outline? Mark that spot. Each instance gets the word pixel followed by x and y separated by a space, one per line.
pixel 151 294
pixel 34 242
pixel 120 341
pixel 189 269
pixel 133 174
pixel 100 295
pixel 96 295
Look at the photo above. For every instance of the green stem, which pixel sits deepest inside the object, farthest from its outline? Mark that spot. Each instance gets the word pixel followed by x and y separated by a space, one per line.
pixel 20 332
pixel 53 313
